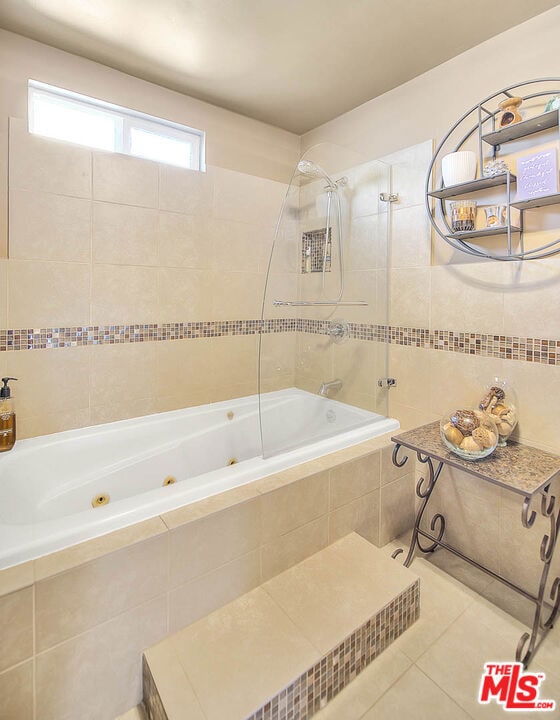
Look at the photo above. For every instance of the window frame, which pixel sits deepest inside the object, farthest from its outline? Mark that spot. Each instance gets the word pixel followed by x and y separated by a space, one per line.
pixel 129 120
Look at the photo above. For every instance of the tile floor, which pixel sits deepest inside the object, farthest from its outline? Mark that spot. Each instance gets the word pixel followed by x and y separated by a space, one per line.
pixel 433 671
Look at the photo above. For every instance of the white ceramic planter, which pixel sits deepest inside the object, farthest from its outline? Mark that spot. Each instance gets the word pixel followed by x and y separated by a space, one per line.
pixel 458 167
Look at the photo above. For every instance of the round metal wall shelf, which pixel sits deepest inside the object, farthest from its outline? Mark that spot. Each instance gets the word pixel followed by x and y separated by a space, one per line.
pixel 477 127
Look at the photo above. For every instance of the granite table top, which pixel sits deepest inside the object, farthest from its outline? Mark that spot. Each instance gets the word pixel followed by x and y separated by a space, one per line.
pixel 517 467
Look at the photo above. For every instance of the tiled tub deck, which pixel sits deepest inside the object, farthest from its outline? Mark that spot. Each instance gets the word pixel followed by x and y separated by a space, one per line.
pixel 104 601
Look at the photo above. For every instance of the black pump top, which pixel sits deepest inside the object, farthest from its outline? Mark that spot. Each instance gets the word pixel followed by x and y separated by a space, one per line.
pixel 6 390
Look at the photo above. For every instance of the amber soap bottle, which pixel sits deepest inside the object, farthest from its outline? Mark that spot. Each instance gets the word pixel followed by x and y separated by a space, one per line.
pixel 7 417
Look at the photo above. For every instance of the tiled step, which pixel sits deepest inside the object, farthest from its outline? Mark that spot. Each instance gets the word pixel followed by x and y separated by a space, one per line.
pixel 287 647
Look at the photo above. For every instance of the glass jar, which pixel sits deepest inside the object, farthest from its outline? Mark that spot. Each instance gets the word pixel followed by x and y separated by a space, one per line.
pixel 463 215
pixel 500 401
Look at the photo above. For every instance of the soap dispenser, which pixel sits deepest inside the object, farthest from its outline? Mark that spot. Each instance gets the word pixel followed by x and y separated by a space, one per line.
pixel 7 417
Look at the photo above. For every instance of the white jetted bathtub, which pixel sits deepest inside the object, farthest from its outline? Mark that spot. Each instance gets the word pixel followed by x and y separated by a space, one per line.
pixel 48 484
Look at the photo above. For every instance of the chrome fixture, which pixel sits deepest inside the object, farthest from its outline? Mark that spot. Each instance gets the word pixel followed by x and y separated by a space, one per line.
pixel 330 388
pixel 339 331
pixel 387 382
pixel 316 172
pixel 389 197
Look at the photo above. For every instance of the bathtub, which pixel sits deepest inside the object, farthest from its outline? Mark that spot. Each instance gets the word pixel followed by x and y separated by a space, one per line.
pixel 48 483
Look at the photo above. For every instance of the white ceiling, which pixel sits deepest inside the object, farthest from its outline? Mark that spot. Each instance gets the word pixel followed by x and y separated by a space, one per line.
pixel 291 63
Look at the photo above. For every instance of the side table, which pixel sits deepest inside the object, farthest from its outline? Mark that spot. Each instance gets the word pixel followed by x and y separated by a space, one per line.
pixel 518 468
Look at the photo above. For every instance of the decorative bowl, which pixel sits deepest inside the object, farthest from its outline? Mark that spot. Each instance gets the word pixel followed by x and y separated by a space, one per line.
pixel 469 433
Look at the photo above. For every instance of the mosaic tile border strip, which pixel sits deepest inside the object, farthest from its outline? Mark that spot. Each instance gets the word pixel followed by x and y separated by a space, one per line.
pixel 150 695
pixel 505 347
pixel 321 683
pixel 312 690
pixel 80 336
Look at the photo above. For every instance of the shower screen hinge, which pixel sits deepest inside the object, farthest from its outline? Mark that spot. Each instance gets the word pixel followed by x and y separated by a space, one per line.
pixel 389 197
pixel 387 382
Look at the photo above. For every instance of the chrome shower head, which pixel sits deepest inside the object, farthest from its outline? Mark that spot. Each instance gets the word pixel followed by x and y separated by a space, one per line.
pixel 315 172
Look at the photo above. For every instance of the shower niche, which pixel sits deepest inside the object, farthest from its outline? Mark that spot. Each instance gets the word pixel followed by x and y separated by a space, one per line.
pixel 327 268
pixel 316 248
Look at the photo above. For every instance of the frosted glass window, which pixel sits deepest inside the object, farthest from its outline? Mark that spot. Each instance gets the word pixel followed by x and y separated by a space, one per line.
pixel 65 115
pixel 154 146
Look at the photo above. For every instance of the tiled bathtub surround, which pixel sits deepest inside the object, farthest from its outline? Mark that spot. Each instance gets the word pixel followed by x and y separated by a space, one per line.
pixel 106 600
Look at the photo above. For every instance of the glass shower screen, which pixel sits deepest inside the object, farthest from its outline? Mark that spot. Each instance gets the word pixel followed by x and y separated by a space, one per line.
pixel 325 306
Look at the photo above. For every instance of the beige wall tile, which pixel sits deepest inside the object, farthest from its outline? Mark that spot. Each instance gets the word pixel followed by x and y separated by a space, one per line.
pixel 42 164
pixel 278 354
pixel 98 674
pixel 122 372
pixel 360 515
pixel 47 294
pixel 468 298
pixel 114 410
pixel 183 240
pixel 47 423
pixel 293 547
pixel 4 293
pixel 203 545
pixel 365 182
pixel 353 361
pixel 84 552
pixel 235 359
pixel 122 294
pixel 200 597
pixel 409 300
pixel 367 243
pixel 185 370
pixel 16 693
pixel 184 295
pixel 413 369
pixel 185 191
pixel 124 234
pixel 531 290
pixel 44 226
pixel 246 198
pixel 16 621
pixel 124 179
pixel 238 246
pixel 410 237
pixel 294 505
pixel 236 295
pixel 16 578
pixel 354 479
pixel 79 599
pixel 396 508
pixel 50 381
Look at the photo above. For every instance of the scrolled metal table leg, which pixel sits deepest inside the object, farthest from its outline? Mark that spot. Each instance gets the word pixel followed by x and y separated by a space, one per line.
pixel 528 641
pixel 424 489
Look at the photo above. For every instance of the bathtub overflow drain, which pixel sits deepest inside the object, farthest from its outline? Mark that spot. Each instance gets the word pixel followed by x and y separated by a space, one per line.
pixel 169 480
pixel 100 500
pixel 232 461
pixel 230 415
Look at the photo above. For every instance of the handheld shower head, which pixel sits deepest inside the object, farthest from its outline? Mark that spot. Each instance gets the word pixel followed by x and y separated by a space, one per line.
pixel 313 171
